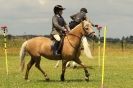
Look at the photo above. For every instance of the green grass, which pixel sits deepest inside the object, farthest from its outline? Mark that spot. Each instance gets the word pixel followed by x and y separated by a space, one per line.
pixel 118 70
pixel 118 74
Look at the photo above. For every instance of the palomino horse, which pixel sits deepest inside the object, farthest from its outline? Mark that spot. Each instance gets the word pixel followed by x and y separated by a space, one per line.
pixel 41 46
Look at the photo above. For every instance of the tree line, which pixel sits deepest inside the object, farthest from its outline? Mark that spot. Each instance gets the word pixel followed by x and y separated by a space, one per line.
pixel 128 39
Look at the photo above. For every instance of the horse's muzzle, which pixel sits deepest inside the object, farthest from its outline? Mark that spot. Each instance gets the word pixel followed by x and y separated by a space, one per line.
pixel 92 34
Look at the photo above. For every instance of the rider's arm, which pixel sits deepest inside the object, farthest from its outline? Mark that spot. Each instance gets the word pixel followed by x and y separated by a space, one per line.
pixel 67 27
pixel 73 16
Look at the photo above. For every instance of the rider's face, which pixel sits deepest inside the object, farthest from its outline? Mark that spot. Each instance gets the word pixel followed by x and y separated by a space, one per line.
pixel 61 12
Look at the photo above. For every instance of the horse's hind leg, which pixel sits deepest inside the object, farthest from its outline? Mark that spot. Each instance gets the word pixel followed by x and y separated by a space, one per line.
pixel 29 65
pixel 37 61
pixel 85 69
pixel 63 69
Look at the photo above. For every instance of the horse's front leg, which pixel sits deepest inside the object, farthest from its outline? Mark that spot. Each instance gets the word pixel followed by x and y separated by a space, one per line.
pixel 63 69
pixel 85 69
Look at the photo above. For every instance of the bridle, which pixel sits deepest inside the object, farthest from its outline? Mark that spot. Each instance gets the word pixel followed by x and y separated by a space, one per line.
pixel 84 28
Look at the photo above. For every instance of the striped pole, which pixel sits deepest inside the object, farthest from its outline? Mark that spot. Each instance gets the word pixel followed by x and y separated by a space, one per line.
pixel 4 28
pixel 99 28
pixel 99 48
pixel 103 66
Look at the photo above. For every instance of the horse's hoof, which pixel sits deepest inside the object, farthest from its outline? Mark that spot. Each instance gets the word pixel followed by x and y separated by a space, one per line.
pixel 86 79
pixel 25 78
pixel 87 74
pixel 62 78
pixel 47 79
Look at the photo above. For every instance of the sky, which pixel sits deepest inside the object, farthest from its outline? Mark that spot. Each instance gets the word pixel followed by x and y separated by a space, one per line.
pixel 35 16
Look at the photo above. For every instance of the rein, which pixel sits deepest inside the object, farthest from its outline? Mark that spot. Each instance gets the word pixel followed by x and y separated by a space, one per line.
pixel 69 40
pixel 75 35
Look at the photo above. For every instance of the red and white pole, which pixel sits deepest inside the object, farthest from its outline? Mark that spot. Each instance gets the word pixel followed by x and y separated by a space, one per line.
pixel 4 29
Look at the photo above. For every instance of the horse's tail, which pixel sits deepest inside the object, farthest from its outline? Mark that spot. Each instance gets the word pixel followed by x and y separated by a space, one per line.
pixel 86 48
pixel 22 55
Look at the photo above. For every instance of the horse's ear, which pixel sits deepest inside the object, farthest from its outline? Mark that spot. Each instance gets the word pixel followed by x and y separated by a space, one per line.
pixel 84 23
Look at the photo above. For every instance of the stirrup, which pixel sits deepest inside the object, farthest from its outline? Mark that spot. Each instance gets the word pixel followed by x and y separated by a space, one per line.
pixel 56 53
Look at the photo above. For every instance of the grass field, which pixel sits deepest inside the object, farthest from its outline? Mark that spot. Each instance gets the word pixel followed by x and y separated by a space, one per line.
pixel 118 73
pixel 118 70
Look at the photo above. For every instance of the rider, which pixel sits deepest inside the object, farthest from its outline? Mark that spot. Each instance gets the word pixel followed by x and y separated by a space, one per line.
pixel 78 17
pixel 59 27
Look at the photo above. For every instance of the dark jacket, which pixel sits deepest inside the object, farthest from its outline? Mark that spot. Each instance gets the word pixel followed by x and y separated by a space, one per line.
pixel 58 24
pixel 78 17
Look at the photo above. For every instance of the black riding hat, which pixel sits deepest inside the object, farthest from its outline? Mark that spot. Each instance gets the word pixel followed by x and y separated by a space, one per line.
pixel 57 8
pixel 84 10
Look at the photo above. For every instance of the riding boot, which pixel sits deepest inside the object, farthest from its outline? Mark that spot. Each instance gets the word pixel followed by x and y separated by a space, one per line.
pixel 56 48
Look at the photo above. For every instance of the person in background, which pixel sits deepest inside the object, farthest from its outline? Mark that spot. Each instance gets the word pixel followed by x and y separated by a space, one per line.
pixel 78 17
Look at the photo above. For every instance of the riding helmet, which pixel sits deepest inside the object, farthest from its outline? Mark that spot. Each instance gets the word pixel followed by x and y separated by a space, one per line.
pixel 57 8
pixel 84 10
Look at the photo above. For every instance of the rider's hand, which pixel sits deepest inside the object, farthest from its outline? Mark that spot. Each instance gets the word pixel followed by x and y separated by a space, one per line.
pixel 96 25
pixel 99 27
pixel 65 30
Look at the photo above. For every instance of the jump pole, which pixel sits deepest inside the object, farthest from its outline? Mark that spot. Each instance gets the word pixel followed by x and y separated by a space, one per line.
pixel 103 59
pixel 4 28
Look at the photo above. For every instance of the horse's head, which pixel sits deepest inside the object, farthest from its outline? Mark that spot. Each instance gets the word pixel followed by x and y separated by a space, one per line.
pixel 87 29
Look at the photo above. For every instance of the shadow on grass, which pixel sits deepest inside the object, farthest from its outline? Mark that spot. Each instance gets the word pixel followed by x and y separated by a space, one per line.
pixel 80 67
pixel 66 81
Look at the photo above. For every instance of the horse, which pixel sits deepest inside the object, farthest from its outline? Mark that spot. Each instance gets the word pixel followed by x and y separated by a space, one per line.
pixel 41 46
pixel 86 49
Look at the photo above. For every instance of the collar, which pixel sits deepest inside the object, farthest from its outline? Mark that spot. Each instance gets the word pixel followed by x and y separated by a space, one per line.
pixel 58 15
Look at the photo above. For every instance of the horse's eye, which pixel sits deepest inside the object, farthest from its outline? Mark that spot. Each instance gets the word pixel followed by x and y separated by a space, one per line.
pixel 86 28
